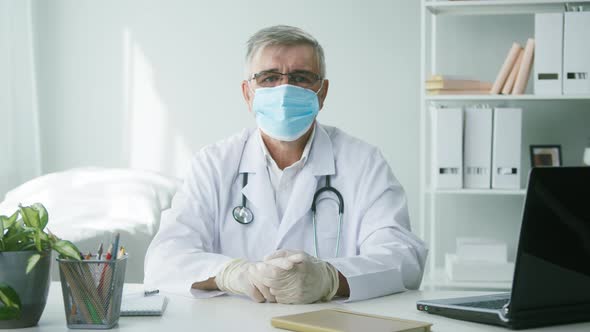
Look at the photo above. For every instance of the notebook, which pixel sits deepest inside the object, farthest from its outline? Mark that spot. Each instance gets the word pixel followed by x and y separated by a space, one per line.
pixel 140 305
pixel 338 320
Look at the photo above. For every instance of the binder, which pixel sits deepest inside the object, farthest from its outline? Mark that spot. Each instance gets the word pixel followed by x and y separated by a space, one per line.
pixel 576 53
pixel 506 148
pixel 548 57
pixel 477 159
pixel 447 148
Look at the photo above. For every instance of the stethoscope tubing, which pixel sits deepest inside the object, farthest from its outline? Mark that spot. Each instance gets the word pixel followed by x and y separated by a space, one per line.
pixel 240 211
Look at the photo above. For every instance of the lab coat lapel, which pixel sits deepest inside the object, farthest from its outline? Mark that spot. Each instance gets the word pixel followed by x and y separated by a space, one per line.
pixel 320 162
pixel 258 191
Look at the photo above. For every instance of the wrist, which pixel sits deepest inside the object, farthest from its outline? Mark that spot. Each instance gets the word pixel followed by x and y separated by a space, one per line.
pixel 343 288
pixel 208 285
pixel 334 282
pixel 225 276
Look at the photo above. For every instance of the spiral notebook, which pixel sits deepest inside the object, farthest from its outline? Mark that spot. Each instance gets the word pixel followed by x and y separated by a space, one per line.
pixel 140 305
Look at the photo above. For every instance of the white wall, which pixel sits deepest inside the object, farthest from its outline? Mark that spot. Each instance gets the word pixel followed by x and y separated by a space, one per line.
pixel 143 83
pixel 19 141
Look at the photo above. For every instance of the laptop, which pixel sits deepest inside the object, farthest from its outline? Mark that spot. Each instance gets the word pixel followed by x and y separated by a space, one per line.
pixel 551 283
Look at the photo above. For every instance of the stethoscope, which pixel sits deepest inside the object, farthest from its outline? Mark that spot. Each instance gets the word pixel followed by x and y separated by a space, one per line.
pixel 243 215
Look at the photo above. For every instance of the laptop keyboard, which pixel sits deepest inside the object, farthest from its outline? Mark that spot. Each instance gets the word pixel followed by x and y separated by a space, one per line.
pixel 492 304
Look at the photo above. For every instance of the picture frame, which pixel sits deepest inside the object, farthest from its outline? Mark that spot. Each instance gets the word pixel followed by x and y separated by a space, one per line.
pixel 546 156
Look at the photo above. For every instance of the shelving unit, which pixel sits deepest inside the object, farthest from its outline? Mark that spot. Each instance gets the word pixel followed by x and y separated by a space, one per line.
pixel 429 225
pixel 497 7
pixel 503 98
pixel 476 192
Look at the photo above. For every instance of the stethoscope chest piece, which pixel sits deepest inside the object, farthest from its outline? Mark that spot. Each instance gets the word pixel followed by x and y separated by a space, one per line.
pixel 243 214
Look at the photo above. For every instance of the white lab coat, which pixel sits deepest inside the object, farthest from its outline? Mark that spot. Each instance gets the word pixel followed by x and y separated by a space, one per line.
pixel 378 253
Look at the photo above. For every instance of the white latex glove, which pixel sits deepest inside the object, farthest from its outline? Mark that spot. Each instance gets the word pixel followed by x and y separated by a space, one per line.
pixel 295 277
pixel 235 278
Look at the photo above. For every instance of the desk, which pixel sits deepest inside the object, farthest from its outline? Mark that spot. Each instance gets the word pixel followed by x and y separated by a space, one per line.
pixel 229 313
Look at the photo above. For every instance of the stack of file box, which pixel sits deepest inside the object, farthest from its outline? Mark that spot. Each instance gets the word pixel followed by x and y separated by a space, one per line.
pixel 562 56
pixel 476 147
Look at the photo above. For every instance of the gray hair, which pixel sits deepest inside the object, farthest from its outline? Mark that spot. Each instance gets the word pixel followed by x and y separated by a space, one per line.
pixel 283 35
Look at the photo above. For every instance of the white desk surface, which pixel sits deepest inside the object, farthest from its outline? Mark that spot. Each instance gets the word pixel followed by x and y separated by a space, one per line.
pixel 229 313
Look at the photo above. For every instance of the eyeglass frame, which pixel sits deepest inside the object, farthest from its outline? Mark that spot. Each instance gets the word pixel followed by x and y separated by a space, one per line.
pixel 319 78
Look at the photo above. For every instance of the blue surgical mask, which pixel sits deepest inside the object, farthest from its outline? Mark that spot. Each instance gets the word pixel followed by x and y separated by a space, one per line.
pixel 285 112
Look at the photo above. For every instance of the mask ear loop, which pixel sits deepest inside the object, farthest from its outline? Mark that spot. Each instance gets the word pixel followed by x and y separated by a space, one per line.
pixel 321 87
pixel 250 87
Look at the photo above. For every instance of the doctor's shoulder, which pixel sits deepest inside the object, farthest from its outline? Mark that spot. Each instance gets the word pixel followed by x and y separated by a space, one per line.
pixel 348 148
pixel 221 154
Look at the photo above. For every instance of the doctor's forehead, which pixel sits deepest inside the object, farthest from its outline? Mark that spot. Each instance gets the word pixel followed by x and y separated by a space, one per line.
pixel 285 58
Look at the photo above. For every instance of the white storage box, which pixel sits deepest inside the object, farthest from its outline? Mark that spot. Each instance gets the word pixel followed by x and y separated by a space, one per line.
pixel 464 270
pixel 481 249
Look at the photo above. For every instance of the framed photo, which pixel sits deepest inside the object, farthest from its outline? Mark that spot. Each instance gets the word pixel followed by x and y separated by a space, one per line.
pixel 546 155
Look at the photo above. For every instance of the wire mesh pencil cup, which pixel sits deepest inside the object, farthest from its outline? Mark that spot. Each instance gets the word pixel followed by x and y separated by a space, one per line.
pixel 92 291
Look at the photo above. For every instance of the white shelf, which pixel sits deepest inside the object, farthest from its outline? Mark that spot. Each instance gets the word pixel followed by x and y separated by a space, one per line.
pixel 498 7
pixel 439 280
pixel 519 192
pixel 504 98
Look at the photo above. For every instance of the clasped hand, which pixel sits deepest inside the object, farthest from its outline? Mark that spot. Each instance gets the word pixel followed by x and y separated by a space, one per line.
pixel 286 276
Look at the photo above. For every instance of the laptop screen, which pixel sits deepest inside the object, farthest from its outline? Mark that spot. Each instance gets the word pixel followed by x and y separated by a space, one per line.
pixel 553 260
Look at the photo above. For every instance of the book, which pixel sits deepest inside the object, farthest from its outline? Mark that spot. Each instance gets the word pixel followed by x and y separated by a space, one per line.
pixel 457 92
pixel 441 77
pixel 457 84
pixel 522 77
pixel 140 305
pixel 338 320
pixel 509 85
pixel 505 69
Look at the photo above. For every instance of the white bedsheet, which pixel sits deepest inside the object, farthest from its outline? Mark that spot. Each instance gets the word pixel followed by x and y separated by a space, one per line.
pixel 88 205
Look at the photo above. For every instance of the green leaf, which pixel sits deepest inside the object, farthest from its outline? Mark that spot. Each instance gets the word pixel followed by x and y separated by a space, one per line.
pixel 67 249
pixel 2 218
pixel 11 301
pixel 30 216
pixel 37 239
pixel 14 228
pixel 51 237
pixel 7 222
pixel 8 296
pixel 42 213
pixel 8 313
pixel 33 260
pixel 13 237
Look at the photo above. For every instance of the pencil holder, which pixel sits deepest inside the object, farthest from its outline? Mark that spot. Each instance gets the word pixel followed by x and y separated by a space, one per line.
pixel 92 291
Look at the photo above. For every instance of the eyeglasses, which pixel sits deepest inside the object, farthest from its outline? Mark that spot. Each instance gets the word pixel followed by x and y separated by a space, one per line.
pixel 300 78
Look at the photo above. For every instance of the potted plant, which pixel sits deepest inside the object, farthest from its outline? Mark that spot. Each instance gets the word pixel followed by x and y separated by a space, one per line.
pixel 25 261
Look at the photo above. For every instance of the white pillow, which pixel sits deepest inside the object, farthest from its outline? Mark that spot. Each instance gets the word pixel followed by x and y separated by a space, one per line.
pixel 84 204
pixel 87 200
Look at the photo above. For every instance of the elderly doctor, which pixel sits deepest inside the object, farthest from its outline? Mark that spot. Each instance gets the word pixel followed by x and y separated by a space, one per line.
pixel 292 211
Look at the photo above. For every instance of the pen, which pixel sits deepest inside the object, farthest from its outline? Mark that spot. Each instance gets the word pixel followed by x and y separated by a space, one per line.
pixel 116 246
pixel 151 292
pixel 99 251
pixel 121 252
pixel 109 254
